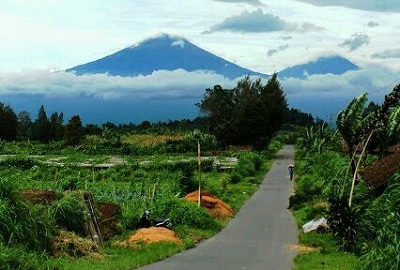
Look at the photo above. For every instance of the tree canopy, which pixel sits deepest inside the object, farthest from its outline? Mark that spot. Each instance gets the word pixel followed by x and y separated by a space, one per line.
pixel 248 114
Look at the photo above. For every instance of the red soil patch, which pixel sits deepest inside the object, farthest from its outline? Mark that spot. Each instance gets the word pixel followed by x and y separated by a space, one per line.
pixel 380 171
pixel 108 220
pixel 215 206
pixel 40 196
pixel 150 235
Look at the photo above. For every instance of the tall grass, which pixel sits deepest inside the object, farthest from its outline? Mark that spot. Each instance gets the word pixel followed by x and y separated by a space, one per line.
pixel 21 223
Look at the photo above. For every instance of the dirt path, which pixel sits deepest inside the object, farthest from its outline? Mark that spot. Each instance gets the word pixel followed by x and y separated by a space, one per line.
pixel 257 238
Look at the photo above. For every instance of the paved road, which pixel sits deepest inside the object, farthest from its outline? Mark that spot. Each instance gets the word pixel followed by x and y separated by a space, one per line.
pixel 257 238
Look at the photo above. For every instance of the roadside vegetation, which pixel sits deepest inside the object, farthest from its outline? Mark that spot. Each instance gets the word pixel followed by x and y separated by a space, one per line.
pixel 340 176
pixel 52 173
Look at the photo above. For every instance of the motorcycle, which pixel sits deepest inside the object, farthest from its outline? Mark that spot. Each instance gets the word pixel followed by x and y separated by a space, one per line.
pixel 146 222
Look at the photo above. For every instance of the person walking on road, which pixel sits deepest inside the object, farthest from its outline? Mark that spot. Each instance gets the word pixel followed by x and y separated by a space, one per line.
pixel 291 171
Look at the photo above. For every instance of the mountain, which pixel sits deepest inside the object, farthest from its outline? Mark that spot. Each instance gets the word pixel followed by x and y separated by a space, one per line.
pixel 336 65
pixel 162 53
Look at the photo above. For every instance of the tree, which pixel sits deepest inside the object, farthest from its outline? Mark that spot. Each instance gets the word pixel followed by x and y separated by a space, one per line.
pixel 40 128
pixel 24 125
pixel 248 114
pixel 350 125
pixel 56 129
pixel 74 130
pixel 8 123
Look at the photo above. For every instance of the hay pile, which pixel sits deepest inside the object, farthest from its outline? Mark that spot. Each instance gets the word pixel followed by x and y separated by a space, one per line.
pixel 215 206
pixel 71 245
pixel 150 235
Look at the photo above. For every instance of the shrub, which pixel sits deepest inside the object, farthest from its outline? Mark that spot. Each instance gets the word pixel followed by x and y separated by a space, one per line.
pixel 182 212
pixel 342 219
pixel 69 213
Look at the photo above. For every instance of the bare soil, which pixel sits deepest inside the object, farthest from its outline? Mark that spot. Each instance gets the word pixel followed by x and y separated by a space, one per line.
pixel 216 207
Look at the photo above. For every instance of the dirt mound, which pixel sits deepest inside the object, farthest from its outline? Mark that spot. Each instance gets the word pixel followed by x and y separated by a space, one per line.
pixel 40 196
pixel 150 235
pixel 71 245
pixel 108 220
pixel 215 206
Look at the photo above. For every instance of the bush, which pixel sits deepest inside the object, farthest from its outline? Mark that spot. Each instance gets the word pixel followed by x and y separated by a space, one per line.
pixel 342 219
pixel 182 212
pixel 69 213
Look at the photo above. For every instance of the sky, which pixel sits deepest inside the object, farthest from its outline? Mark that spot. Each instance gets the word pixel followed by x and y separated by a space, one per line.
pixel 42 36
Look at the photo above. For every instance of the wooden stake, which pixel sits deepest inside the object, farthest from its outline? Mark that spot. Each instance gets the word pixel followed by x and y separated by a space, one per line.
pixel 358 164
pixel 199 164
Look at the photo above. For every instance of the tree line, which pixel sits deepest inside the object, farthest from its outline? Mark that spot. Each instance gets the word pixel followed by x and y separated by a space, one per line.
pixel 249 114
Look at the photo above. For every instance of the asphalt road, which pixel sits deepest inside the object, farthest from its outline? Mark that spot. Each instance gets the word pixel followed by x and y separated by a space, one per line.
pixel 257 238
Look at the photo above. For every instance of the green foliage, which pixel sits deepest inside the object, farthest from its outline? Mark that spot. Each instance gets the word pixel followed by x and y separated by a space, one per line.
pixel 21 223
pixel 342 220
pixel 385 251
pixel 8 123
pixel 187 183
pixel 394 123
pixel 182 212
pixel 349 121
pixel 74 130
pixel 69 213
pixel 17 258
pixel 248 165
pixel 317 139
pixel 20 162
pixel 249 114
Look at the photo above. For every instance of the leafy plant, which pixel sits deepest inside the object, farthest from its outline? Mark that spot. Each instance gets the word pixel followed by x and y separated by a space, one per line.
pixel 342 220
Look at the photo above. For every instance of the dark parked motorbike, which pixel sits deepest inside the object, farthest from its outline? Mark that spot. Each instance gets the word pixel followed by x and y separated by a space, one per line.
pixel 146 222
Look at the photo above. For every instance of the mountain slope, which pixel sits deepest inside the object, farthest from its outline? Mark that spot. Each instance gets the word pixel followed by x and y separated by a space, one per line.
pixel 161 53
pixel 336 65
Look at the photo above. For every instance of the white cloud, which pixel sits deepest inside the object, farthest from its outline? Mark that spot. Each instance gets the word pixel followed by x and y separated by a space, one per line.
pixel 258 21
pixel 280 48
pixel 179 42
pixel 251 2
pixel 373 80
pixel 372 24
pixel 160 84
pixel 392 53
pixel 356 41
pixel 371 5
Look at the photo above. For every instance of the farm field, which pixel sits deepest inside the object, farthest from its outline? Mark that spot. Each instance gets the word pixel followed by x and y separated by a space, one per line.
pixel 54 190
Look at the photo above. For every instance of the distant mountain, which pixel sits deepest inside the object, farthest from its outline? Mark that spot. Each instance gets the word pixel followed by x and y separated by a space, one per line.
pixel 336 65
pixel 162 53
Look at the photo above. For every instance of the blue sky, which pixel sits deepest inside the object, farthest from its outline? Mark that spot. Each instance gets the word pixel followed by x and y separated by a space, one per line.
pixel 265 36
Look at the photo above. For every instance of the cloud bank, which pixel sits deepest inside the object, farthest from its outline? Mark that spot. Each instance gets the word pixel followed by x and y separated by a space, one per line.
pixel 182 84
pixel 251 2
pixel 371 5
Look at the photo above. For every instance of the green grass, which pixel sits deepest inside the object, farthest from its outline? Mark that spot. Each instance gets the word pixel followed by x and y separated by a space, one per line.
pixel 118 258
pixel 326 254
